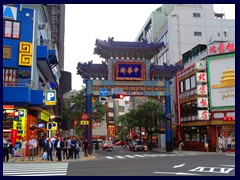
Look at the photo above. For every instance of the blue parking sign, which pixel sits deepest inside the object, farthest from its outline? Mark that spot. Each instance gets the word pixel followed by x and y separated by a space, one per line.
pixel 50 97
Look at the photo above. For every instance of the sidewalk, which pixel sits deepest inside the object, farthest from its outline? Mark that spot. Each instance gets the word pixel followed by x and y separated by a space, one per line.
pixel 38 159
pixel 176 151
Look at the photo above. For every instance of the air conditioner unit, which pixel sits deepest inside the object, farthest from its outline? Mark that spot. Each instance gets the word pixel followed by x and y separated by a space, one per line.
pixel 41 26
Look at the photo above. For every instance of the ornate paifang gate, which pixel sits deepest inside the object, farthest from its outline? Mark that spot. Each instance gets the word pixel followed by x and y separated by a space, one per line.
pixel 128 66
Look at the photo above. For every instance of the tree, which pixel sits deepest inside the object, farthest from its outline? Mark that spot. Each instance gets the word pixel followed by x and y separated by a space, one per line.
pixel 148 115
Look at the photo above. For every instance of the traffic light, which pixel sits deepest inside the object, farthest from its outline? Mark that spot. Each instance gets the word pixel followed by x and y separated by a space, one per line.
pixel 120 96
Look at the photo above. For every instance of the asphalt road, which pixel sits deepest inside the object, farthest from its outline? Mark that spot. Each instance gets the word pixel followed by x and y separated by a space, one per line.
pixel 122 162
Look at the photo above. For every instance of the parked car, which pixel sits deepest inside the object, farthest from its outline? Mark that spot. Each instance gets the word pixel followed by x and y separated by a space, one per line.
pixel 108 145
pixel 120 143
pixel 137 145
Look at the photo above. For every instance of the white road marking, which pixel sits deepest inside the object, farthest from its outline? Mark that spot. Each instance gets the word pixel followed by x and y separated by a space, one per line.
pixel 51 169
pixel 109 157
pixel 213 169
pixel 178 166
pixel 129 156
pixel 120 157
pixel 228 165
pixel 139 155
pixel 178 173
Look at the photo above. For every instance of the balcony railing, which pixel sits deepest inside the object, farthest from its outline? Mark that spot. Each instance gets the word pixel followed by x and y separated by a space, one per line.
pixel 26 83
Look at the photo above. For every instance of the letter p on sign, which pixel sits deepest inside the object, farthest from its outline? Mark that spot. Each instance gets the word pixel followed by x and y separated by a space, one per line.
pixel 50 97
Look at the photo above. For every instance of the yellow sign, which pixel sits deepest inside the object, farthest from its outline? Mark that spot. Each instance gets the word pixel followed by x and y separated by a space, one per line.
pixel 52 126
pixel 84 122
pixel 25 54
pixel 20 124
pixel 44 116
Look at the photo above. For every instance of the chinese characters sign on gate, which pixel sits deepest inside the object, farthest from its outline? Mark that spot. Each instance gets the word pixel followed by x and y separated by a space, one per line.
pixel 130 71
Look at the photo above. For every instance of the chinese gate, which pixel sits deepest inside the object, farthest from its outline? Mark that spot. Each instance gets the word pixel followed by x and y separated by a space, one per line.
pixel 128 66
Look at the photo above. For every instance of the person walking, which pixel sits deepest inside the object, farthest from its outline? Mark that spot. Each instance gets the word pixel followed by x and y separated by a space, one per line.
pixel 65 148
pixel 5 149
pixel 32 144
pixel 74 147
pixel 23 148
pixel 85 147
pixel 59 146
pixel 206 143
pixel 229 144
pixel 69 148
pixel 221 144
pixel 49 149
pixel 42 146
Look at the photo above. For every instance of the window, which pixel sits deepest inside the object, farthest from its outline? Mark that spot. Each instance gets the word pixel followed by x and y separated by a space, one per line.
pixel 197 33
pixel 9 77
pixel 187 84
pixel 196 15
pixel 11 29
pixel 181 87
pixel 193 82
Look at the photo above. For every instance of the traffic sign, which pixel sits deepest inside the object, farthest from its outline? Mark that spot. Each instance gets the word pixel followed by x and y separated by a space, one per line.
pixel 103 92
pixel 84 122
pixel 84 116
pixel 116 90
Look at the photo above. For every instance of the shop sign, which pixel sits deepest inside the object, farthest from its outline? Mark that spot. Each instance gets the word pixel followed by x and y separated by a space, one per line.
pixel 202 102
pixel 202 89
pixel 9 12
pixel 203 115
pixel 201 77
pixel 223 115
pixel 44 116
pixel 201 65
pixel 8 106
pixel 20 125
pixel 221 48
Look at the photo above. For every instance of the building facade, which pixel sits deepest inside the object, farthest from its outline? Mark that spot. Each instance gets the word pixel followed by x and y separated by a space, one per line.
pixel 206 96
pixel 182 27
pixel 33 57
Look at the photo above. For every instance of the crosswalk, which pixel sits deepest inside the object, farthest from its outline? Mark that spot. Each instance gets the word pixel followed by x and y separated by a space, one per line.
pixel 132 156
pixel 43 169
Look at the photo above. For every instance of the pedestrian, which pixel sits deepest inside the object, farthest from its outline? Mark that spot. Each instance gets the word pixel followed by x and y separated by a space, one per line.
pixel 32 144
pixel 206 143
pixel 5 149
pixel 65 148
pixel 42 146
pixel 221 144
pixel 49 149
pixel 23 148
pixel 74 147
pixel 59 146
pixel 229 144
pixel 70 155
pixel 53 141
pixel 10 147
pixel 85 147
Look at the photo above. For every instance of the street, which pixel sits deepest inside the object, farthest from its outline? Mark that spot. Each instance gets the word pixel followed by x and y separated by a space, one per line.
pixel 122 162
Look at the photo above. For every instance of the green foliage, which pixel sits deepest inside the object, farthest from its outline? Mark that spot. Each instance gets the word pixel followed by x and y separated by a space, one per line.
pixel 148 115
pixel 99 112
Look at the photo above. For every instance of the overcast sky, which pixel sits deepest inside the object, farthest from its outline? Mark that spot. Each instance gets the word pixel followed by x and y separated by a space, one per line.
pixel 84 23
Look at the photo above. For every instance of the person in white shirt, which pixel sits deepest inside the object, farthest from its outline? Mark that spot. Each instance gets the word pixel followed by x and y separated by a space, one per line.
pixel 32 144
pixel 23 148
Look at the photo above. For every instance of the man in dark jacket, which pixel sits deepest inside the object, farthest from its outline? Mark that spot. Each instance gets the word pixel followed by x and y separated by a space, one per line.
pixel 59 144
pixel 49 149
pixel 85 146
